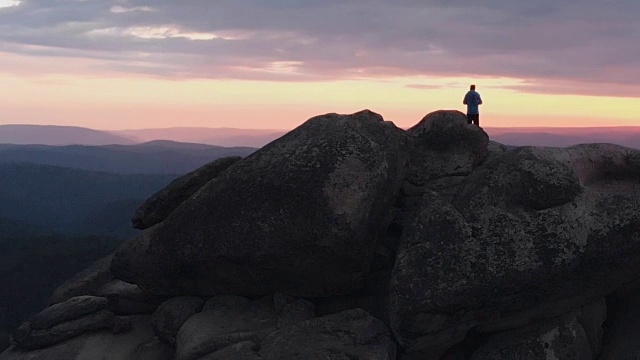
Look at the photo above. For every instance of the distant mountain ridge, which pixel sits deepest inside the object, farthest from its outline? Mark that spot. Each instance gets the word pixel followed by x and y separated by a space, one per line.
pixel 156 157
pixel 58 135
pixel 232 137
pixel 212 136
pixel 628 136
pixel 73 135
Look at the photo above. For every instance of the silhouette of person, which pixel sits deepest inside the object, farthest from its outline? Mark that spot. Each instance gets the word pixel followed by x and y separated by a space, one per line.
pixel 472 99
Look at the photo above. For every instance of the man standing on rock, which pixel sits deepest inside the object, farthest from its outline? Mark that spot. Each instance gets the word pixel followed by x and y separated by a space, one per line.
pixel 472 99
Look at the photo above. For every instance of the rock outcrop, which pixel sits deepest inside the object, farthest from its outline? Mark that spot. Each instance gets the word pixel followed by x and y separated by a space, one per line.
pixel 172 314
pixel 97 280
pixel 531 234
pixel 228 320
pixel 245 350
pixel 153 349
pixel 444 147
pixel 129 299
pixel 86 282
pixel 352 334
pixel 65 321
pixel 460 248
pixel 622 326
pixel 300 216
pixel 564 339
pixel 163 203
pixel 133 344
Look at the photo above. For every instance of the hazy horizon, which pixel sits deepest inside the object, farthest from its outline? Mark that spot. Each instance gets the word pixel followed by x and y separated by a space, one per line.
pixel 579 127
pixel 255 138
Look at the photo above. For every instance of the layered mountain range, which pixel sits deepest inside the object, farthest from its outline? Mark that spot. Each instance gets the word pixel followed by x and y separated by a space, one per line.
pixel 71 135
pixel 350 238
pixel 92 189
pixel 628 136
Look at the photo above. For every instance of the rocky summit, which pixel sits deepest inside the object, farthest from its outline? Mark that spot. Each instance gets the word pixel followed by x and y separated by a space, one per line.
pixel 349 238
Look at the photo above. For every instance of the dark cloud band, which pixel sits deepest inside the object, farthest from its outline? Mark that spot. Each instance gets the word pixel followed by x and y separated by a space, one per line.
pixel 586 43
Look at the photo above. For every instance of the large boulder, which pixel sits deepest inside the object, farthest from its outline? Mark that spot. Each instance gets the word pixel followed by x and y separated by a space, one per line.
pixel 445 150
pixel 623 324
pixel 227 320
pixel 153 349
pixel 300 216
pixel 245 350
pixel 97 280
pixel 373 298
pixel 135 344
pixel 576 335
pixel 352 334
pixel 533 233
pixel 564 339
pixel 71 309
pixel 294 311
pixel 32 338
pixel 444 145
pixel 66 320
pixel 85 282
pixel 164 202
pixel 129 299
pixel 172 314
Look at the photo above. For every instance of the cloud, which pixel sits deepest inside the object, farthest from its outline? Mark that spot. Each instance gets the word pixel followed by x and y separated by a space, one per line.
pixel 117 9
pixel 9 3
pixel 573 87
pixel 544 42
pixel 155 32
pixel 447 85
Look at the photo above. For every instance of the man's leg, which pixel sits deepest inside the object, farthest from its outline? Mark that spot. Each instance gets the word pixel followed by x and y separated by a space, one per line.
pixel 469 118
pixel 477 120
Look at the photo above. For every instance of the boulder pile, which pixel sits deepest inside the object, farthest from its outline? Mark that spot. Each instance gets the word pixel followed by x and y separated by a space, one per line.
pixel 349 238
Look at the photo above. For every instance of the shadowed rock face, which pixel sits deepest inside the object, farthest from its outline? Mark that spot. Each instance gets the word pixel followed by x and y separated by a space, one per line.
pixel 444 145
pixel 623 324
pixel 300 216
pixel 101 344
pixel 172 314
pixel 565 339
pixel 163 203
pixel 352 334
pixel 532 233
pixel 64 321
pixel 227 320
pixel 86 282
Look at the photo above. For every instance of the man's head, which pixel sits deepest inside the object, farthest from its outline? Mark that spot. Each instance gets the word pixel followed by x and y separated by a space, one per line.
pixel 472 87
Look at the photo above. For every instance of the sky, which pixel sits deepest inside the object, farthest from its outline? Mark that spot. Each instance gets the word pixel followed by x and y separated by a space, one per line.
pixel 272 64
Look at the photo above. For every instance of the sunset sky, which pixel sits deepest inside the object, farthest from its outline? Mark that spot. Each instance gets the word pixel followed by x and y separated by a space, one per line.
pixel 130 64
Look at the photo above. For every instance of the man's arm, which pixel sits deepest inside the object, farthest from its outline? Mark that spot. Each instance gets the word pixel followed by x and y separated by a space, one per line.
pixel 464 101
pixel 479 100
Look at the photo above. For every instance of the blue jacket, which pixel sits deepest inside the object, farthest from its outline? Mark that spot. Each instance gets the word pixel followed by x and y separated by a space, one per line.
pixel 472 99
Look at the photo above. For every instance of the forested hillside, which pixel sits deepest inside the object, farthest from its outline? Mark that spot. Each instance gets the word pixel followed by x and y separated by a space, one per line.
pixel 31 267
pixel 66 200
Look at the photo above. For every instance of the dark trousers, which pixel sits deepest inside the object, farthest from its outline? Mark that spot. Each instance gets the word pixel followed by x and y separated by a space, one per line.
pixel 473 118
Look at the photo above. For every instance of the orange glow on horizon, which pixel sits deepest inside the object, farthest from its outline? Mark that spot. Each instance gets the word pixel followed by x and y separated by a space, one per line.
pixel 115 102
